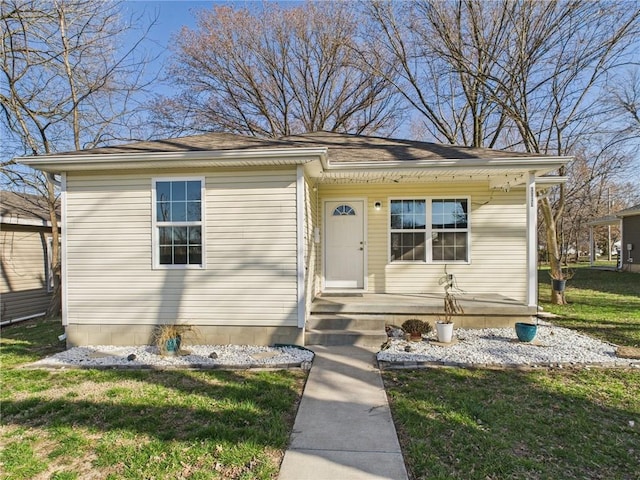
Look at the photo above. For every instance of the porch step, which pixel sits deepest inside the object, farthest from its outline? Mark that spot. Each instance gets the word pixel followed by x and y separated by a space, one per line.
pixel 333 330
pixel 362 338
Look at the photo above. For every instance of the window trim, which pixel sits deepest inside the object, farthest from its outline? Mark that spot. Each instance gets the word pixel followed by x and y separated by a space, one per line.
pixel 429 230
pixel 155 241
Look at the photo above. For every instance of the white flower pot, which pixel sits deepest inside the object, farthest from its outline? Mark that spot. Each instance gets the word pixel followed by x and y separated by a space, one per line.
pixel 444 332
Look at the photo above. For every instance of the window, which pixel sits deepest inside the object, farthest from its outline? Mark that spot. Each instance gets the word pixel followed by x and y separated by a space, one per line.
pixel 449 230
pixel 408 230
pixel 343 210
pixel 443 222
pixel 178 223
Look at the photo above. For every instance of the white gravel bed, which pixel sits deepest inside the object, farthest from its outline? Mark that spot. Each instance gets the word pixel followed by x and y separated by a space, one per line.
pixel 194 356
pixel 500 346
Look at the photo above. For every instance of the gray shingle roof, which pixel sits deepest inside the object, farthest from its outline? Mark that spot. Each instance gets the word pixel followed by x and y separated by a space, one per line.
pixel 360 148
pixel 22 206
pixel 341 147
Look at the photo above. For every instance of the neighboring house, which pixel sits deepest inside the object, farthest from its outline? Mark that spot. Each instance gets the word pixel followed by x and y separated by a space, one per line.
pixel 628 220
pixel 25 237
pixel 630 247
pixel 244 237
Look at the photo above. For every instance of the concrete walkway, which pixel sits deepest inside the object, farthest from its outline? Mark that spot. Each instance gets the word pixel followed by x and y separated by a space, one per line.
pixel 343 429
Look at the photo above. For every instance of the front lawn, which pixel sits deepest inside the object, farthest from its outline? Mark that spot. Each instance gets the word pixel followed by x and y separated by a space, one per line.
pixel 603 304
pixel 75 424
pixel 486 424
pixel 543 424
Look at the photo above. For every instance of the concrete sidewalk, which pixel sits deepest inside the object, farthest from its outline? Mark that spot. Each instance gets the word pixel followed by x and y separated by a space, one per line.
pixel 343 429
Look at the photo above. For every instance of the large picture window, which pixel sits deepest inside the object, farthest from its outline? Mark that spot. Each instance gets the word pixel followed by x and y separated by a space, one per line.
pixel 429 230
pixel 178 214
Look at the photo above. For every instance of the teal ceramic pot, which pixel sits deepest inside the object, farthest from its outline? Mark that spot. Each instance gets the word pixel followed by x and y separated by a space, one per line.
pixel 526 332
pixel 173 345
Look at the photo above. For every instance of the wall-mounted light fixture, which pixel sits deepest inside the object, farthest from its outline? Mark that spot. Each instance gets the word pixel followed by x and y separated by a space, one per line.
pixel 377 205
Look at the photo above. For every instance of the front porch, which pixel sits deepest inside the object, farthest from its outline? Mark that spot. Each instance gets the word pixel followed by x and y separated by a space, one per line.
pixel 359 318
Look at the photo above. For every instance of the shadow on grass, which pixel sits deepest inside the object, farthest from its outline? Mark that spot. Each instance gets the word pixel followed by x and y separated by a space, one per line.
pixel 169 405
pixel 479 424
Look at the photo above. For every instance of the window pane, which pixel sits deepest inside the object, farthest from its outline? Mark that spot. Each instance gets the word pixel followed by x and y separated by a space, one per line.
pixel 449 246
pixel 165 256
pixel 163 212
pixel 179 212
pixel 449 213
pixel 180 255
pixel 195 236
pixel 165 235
pixel 408 246
pixel 180 235
pixel 195 255
pixel 179 191
pixel 194 191
pixel 408 214
pixel 193 211
pixel 163 191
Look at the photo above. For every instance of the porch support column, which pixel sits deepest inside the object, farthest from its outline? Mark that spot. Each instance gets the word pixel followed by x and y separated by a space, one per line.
pixel 64 280
pixel 592 250
pixel 300 266
pixel 532 241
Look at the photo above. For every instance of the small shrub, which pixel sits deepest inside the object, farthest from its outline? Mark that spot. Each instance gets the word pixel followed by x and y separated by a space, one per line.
pixel 415 326
pixel 163 333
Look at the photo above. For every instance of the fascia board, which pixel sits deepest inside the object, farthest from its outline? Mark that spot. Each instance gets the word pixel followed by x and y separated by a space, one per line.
pixel 27 222
pixel 230 158
pixel 519 164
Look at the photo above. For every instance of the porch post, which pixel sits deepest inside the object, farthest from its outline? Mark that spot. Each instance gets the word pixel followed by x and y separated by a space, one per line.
pixel 64 281
pixel 300 226
pixel 532 241
pixel 592 253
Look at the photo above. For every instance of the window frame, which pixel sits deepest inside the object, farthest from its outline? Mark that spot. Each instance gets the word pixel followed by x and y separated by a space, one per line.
pixel 429 230
pixel 155 225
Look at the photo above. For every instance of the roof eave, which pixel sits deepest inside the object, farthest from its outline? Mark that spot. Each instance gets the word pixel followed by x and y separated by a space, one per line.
pixel 218 158
pixel 26 222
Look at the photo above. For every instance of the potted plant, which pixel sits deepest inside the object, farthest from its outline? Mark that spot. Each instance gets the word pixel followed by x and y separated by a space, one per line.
pixel 416 328
pixel 444 326
pixel 526 332
pixel 168 338
pixel 559 280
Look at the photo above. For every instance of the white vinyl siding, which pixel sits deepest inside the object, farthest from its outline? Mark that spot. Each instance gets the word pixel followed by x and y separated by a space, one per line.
pixel 250 274
pixel 23 283
pixel 497 236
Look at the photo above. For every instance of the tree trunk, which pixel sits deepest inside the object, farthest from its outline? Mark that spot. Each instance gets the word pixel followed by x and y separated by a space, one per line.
pixel 55 304
pixel 553 248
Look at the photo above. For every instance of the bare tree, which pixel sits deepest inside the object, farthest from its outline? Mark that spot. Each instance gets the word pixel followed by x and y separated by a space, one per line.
pixel 521 74
pixel 65 86
pixel 276 71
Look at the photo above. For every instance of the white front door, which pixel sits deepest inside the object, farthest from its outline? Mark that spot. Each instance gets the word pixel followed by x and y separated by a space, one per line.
pixel 344 244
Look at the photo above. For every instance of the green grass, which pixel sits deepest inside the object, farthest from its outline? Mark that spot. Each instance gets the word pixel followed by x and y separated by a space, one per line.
pixel 603 304
pixel 486 424
pixel 542 424
pixel 123 424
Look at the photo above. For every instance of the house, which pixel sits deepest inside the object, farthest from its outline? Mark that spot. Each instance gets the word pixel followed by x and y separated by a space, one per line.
pixel 266 241
pixel 628 220
pixel 25 257
pixel 630 251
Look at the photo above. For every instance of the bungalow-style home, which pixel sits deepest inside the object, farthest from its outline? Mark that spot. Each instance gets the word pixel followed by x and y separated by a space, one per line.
pixel 25 257
pixel 628 220
pixel 315 238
